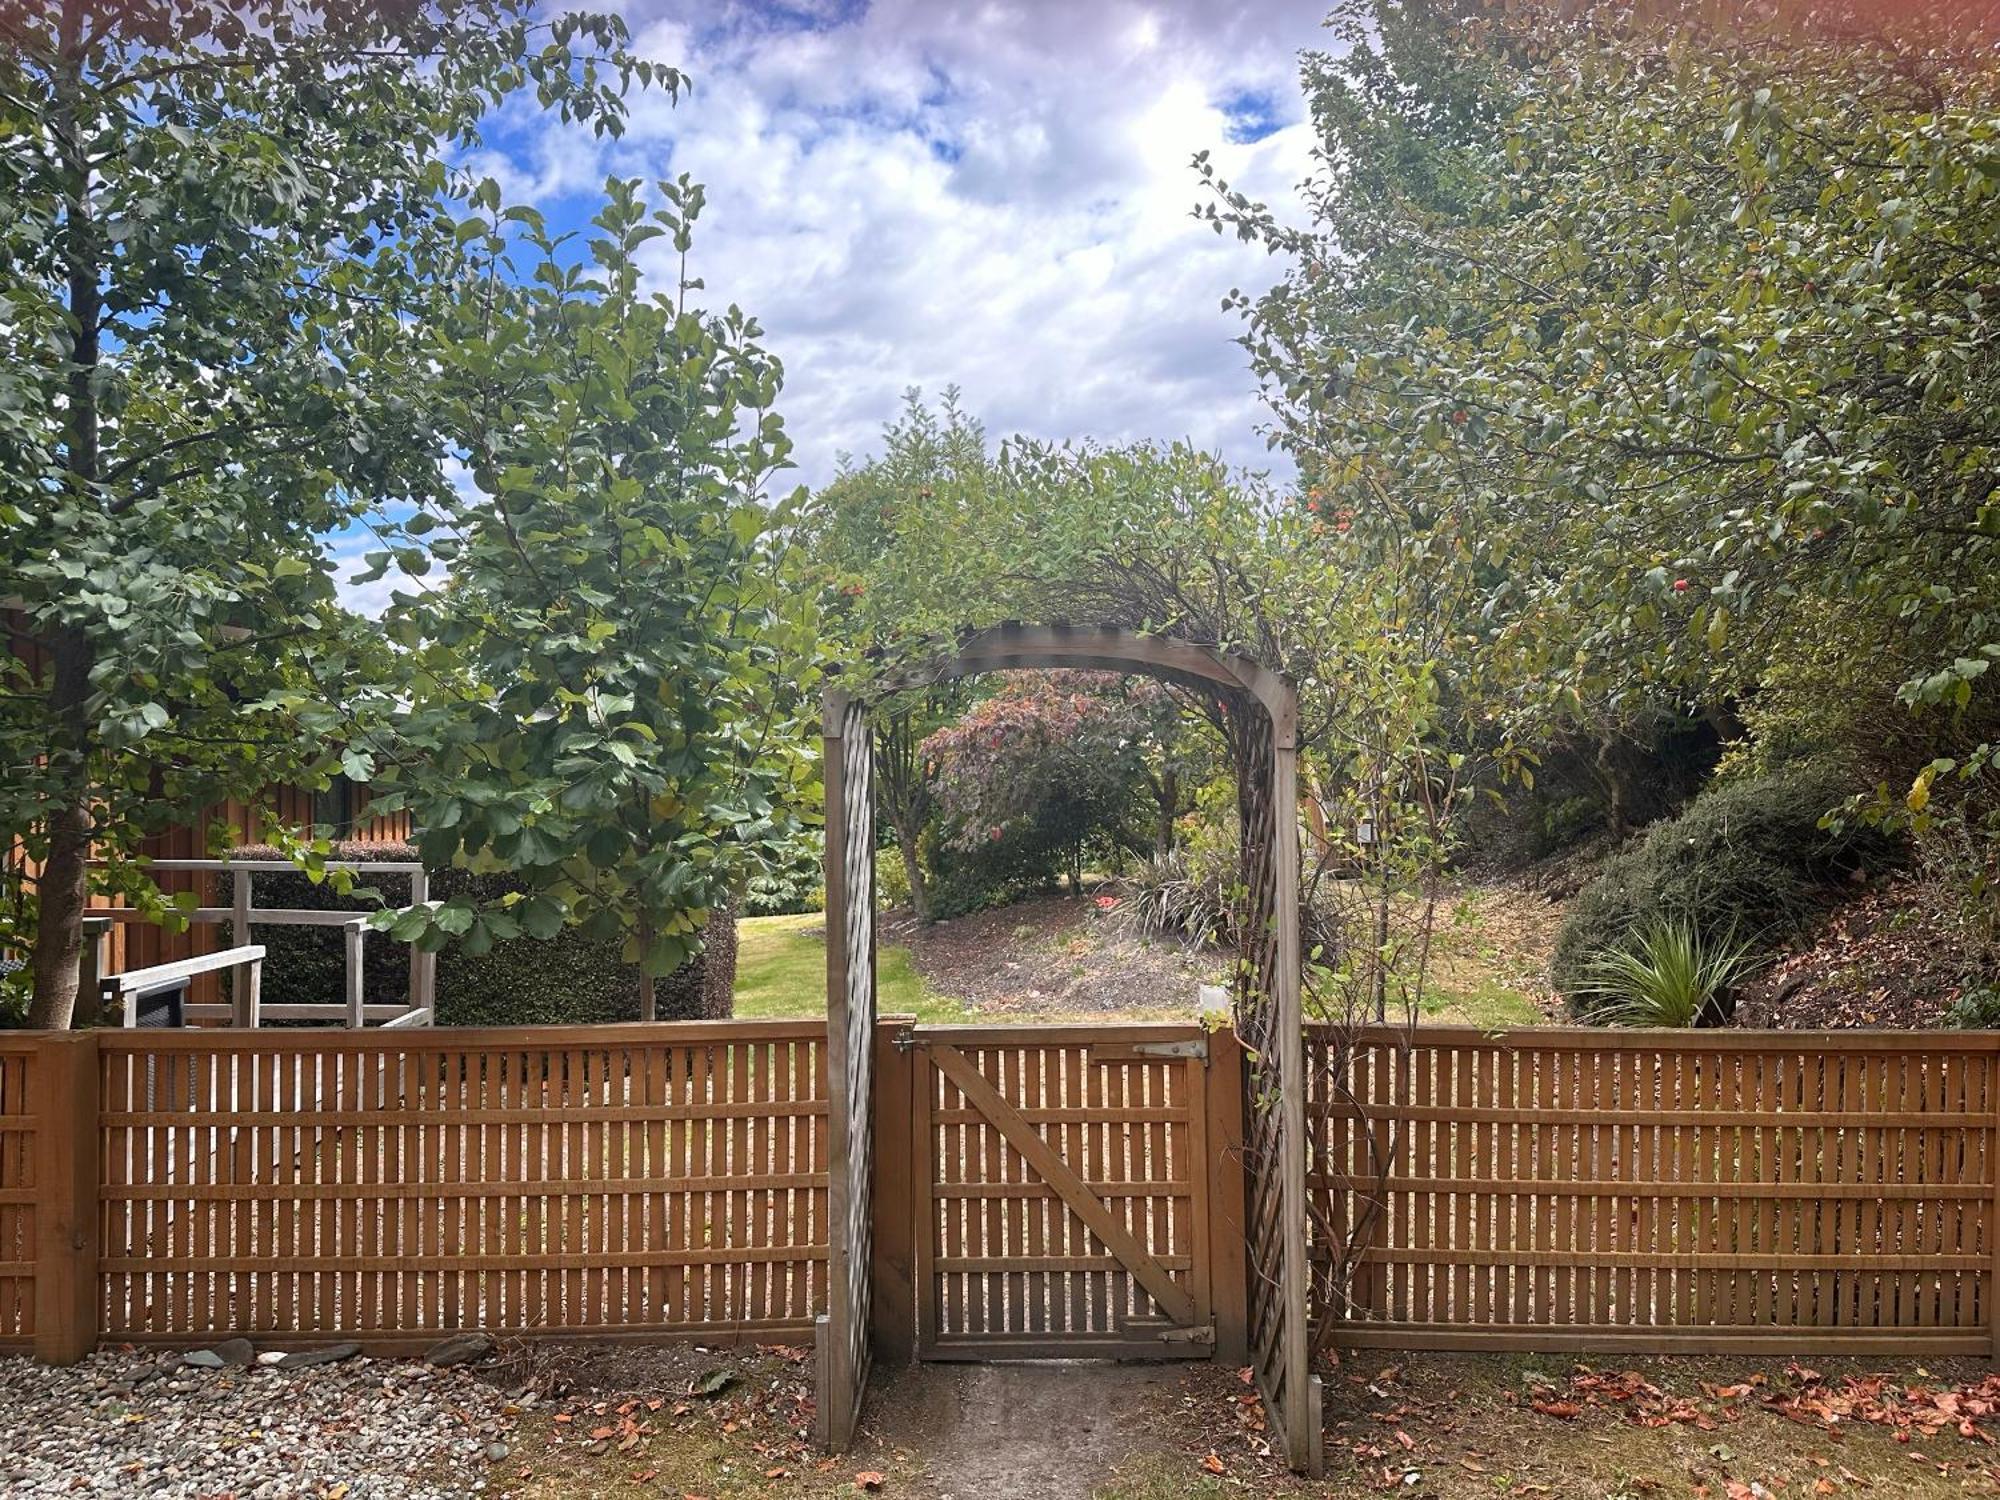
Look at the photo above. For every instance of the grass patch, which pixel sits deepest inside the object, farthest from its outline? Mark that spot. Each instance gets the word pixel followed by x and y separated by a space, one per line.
pixel 781 972
pixel 1489 1003
pixel 1487 954
pixel 1162 1479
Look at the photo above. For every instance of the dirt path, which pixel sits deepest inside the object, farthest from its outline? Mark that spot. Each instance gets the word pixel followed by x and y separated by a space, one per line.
pixel 1021 1431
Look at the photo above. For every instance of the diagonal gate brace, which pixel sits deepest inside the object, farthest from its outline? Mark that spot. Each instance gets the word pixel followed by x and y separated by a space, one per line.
pixel 1167 1294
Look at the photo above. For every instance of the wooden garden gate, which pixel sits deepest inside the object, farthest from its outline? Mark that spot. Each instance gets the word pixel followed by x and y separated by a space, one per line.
pixel 1121 1290
pixel 1060 1177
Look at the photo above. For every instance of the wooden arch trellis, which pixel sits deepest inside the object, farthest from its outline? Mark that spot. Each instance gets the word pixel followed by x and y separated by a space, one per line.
pixel 1261 713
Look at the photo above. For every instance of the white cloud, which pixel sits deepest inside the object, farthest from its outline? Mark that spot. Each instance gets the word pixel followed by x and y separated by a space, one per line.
pixel 992 194
pixel 348 551
pixel 369 599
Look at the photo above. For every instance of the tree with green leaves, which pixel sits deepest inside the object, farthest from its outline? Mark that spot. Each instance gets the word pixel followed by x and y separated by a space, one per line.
pixel 611 695
pixel 1673 335
pixel 223 227
pixel 874 555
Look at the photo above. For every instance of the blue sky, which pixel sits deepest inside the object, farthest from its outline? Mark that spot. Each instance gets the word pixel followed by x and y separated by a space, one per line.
pixel 989 194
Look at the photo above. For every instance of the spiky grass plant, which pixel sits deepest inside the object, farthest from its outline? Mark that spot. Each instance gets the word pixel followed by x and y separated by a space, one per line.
pixel 1670 974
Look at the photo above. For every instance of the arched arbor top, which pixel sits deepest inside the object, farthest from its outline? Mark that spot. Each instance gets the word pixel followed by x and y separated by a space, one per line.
pixel 1189 664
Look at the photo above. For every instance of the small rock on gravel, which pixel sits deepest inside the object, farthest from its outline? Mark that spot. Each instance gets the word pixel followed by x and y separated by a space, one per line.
pixel 202 1359
pixel 306 1359
pixel 237 1352
pixel 460 1349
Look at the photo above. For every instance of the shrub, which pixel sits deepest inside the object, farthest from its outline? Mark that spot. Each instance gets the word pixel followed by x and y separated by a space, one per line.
pixel 1176 895
pixel 568 979
pixel 1747 858
pixel 992 873
pixel 892 879
pixel 793 884
pixel 1669 974
pixel 1978 1009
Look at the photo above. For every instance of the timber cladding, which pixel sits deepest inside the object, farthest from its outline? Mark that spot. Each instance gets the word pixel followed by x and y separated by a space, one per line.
pixel 1656 1191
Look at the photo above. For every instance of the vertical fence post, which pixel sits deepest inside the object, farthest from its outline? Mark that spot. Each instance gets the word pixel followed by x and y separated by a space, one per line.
pixel 357 1015
pixel 1993 1199
pixel 247 980
pixel 423 965
pixel 65 1095
pixel 239 910
pixel 1228 1230
pixel 893 1202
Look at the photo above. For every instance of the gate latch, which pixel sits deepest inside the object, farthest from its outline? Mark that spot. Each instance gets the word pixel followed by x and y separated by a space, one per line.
pixel 905 1040
pixel 1196 1047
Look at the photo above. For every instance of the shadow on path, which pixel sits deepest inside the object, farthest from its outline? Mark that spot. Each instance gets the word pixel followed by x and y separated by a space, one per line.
pixel 1021 1431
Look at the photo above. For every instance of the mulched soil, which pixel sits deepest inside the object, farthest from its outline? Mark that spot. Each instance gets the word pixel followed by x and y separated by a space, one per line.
pixel 1883 962
pixel 1061 953
pixel 681 1421
pixel 1465 1426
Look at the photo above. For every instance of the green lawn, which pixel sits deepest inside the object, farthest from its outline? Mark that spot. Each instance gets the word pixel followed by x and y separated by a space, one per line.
pixel 1488 1003
pixel 781 971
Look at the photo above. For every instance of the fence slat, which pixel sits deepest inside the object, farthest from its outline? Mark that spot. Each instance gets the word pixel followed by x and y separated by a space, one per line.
pixel 635 1180
pixel 1653 1190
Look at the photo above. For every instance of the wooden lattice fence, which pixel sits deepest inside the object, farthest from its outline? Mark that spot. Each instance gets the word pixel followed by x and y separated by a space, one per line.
pixel 1659 1191
pixel 624 1180
pixel 20 1150
pixel 1562 1190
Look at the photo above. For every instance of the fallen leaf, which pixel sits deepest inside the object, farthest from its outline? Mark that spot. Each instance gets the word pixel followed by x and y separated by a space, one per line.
pixel 714 1382
pixel 1214 1464
pixel 868 1480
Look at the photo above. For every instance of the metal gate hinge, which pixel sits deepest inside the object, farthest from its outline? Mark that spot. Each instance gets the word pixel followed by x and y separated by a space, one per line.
pixel 1204 1335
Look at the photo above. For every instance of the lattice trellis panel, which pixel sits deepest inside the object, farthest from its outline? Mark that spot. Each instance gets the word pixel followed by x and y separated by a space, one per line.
pixel 850 956
pixel 1269 1023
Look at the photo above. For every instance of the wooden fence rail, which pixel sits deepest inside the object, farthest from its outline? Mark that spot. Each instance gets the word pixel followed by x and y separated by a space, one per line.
pixel 1658 1190
pixel 618 1180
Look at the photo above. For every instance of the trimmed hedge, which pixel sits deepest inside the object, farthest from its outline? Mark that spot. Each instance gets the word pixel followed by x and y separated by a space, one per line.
pixel 1746 857
pixel 565 980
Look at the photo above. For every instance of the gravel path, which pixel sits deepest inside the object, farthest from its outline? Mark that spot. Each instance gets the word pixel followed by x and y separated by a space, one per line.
pixel 132 1425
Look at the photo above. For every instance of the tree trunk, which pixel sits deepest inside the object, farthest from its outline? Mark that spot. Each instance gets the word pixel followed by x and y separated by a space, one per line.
pixel 648 987
pixel 920 892
pixel 1167 793
pixel 1613 780
pixel 64 884
pixel 64 889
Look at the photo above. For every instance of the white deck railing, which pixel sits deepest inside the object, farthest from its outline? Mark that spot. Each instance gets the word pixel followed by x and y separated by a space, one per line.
pixel 353 1009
